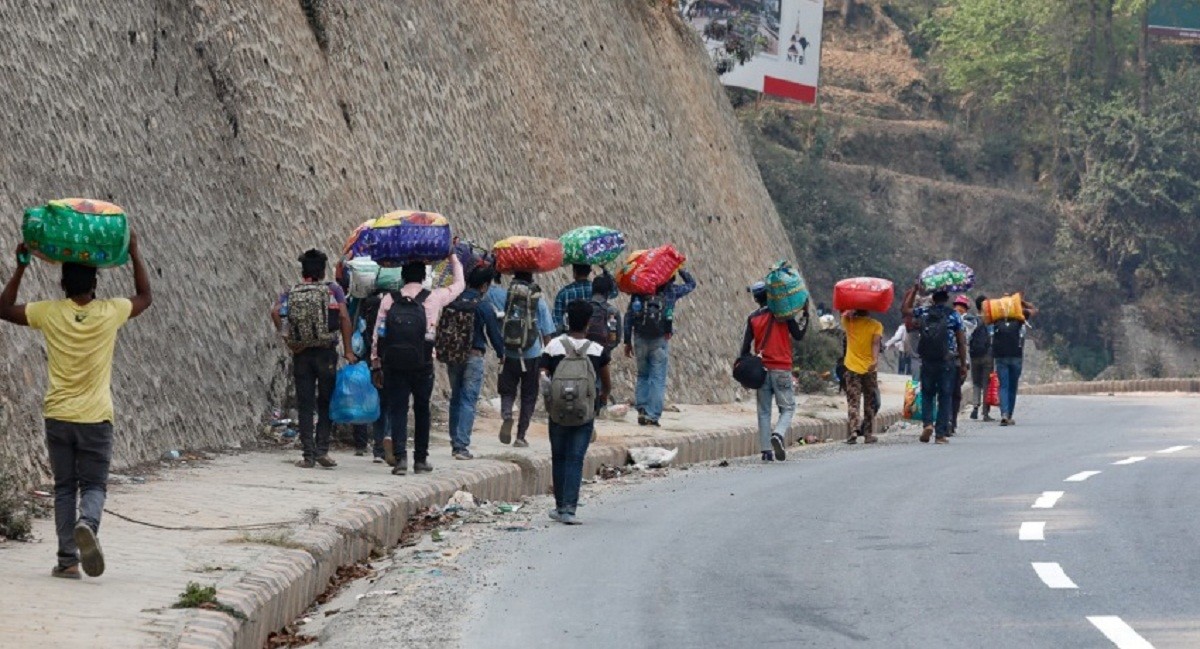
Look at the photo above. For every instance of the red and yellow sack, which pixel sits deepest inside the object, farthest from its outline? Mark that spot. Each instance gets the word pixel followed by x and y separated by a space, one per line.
pixel 1003 308
pixel 647 270
pixel 527 254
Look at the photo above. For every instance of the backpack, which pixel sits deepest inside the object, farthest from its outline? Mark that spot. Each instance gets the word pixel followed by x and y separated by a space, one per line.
pixel 605 326
pixel 520 316
pixel 651 320
pixel 308 316
pixel 1007 341
pixel 572 399
pixel 456 330
pixel 980 343
pixel 403 345
pixel 935 335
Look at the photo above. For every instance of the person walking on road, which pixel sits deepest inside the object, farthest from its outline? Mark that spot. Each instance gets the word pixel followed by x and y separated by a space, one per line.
pixel 1008 349
pixel 649 325
pixel 979 348
pixel 81 334
pixel 570 368
pixel 402 360
pixel 863 335
pixel 580 289
pixel 605 326
pixel 772 341
pixel 941 342
pixel 527 328
pixel 465 329
pixel 310 316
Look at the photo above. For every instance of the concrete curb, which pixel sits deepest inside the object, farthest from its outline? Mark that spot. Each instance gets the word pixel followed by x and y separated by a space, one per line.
pixel 277 592
pixel 1103 387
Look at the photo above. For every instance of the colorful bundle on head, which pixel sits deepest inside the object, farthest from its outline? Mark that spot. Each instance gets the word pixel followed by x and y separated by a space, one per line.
pixel 863 293
pixel 78 230
pixel 647 270
pixel 949 276
pixel 593 245
pixel 786 291
pixel 405 236
pixel 527 254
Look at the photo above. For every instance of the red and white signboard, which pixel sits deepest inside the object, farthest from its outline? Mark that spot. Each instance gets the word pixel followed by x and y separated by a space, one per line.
pixel 772 46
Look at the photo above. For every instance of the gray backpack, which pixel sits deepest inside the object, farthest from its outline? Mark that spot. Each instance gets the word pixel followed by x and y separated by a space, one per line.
pixel 572 399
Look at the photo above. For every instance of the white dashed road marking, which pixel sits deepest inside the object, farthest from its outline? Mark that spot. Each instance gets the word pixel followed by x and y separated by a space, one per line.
pixel 1047 499
pixel 1129 460
pixel 1174 449
pixel 1053 576
pixel 1031 531
pixel 1121 634
pixel 1081 476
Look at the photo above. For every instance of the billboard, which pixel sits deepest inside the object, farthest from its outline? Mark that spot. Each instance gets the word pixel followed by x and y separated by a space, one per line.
pixel 1174 19
pixel 772 46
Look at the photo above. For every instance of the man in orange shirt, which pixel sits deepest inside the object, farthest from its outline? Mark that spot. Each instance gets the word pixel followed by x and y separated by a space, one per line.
pixel 772 340
pixel 81 335
pixel 863 334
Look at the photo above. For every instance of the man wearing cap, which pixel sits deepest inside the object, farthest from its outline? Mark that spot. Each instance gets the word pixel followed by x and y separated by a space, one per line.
pixel 772 340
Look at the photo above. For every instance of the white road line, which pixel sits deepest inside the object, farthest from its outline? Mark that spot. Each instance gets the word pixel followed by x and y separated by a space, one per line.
pixel 1031 531
pixel 1053 576
pixel 1174 449
pixel 1121 634
pixel 1081 476
pixel 1129 460
pixel 1047 499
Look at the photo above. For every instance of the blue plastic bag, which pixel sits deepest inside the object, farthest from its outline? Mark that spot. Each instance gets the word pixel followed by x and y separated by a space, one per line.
pixel 355 399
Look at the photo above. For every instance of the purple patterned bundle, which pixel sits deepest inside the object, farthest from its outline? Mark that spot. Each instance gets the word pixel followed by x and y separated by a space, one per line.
pixel 403 237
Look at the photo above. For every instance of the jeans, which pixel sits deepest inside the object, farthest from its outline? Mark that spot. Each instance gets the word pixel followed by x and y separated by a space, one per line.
pixel 79 458
pixel 904 364
pixel 861 389
pixel 568 446
pixel 653 357
pixel 779 389
pixel 519 374
pixel 981 374
pixel 938 379
pixel 466 382
pixel 314 370
pixel 400 384
pixel 1009 370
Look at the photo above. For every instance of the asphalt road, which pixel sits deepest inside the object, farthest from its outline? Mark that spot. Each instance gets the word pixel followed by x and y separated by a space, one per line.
pixel 898 545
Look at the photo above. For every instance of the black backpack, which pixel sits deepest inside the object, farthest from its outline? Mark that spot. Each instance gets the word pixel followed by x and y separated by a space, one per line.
pixel 605 325
pixel 935 335
pixel 404 345
pixel 651 321
pixel 980 344
pixel 1007 342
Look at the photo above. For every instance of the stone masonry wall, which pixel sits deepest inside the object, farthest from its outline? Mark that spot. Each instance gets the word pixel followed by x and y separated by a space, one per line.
pixel 237 134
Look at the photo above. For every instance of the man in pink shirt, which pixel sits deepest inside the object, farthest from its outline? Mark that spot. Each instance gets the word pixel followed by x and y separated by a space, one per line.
pixel 402 360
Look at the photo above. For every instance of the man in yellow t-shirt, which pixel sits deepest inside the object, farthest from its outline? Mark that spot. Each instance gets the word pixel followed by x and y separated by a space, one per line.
pixel 81 334
pixel 863 334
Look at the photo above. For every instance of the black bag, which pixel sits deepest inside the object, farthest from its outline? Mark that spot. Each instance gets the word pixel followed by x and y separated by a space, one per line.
pixel 980 344
pixel 651 321
pixel 1008 342
pixel 749 370
pixel 935 335
pixel 404 345
pixel 604 327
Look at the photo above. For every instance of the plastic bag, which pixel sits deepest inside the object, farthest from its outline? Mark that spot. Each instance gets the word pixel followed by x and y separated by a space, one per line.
pixel 593 245
pixel 363 272
pixel 528 254
pixel 912 402
pixel 786 292
pixel 950 276
pixel 405 237
pixel 865 293
pixel 355 399
pixel 647 270
pixel 993 391
pixel 78 230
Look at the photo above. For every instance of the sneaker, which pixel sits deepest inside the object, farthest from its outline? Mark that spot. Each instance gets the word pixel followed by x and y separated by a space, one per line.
pixel 642 419
pixel 305 464
pixel 326 462
pixel 389 451
pixel 360 452
pixel 401 467
pixel 870 439
pixel 987 417
pixel 69 572
pixel 555 515
pixel 464 454
pixel 777 445
pixel 378 459
pixel 975 412
pixel 768 456
pixel 852 440
pixel 506 431
pixel 422 466
pixel 926 434
pixel 942 440
pixel 567 518
pixel 1005 422
pixel 520 443
pixel 91 557
pixel 653 422
pixel 1012 422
